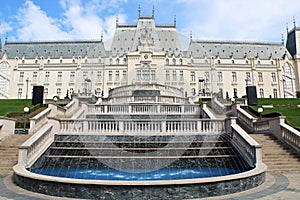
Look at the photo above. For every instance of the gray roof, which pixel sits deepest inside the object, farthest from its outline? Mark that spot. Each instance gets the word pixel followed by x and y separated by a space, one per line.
pixel 54 49
pixel 127 37
pixel 226 49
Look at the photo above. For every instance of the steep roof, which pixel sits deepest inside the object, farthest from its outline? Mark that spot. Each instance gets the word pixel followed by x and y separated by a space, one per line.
pixel 54 49
pixel 128 37
pixel 226 49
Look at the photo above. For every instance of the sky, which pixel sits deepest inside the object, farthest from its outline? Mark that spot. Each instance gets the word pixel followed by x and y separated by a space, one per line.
pixel 230 20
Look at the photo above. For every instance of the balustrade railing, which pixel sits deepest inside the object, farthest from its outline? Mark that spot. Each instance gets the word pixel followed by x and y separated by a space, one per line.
pixel 251 150
pixel 143 109
pixel 85 126
pixel 35 146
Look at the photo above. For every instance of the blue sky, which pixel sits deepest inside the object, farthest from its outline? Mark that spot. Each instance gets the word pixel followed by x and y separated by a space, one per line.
pixel 250 20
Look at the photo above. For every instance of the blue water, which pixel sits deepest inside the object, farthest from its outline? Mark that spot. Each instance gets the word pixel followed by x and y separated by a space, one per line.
pixel 112 174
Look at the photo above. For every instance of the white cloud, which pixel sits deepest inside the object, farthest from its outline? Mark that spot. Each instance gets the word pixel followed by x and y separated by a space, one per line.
pixel 36 25
pixel 81 20
pixel 239 20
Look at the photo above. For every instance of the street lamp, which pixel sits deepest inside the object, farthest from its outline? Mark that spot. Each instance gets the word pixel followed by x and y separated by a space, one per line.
pixel 55 99
pixel 26 110
pixel 260 110
pixel 27 80
pixel 201 89
pixel 232 100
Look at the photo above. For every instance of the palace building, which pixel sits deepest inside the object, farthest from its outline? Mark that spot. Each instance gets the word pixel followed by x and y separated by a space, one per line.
pixel 150 53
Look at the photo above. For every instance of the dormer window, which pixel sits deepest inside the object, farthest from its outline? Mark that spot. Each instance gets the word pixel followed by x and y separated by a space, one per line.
pixel 36 61
pixel 167 61
pixel 232 61
pixel 174 61
pixel 219 61
pixel 272 62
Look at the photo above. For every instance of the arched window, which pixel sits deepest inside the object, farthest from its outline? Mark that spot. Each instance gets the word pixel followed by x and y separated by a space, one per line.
pixel 4 73
pixel 167 61
pixel 288 79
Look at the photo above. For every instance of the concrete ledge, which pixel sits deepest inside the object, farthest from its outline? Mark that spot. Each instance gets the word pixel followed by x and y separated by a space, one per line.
pixel 267 106
pixel 91 189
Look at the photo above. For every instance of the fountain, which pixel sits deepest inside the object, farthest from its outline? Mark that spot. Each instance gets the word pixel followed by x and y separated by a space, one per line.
pixel 144 141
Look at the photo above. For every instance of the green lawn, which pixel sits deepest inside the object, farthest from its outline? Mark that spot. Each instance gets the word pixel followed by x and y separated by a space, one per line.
pixel 286 107
pixel 13 105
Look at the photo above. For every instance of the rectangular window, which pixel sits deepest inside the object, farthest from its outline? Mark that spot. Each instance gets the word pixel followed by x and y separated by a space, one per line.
pixel 109 75
pixel 59 76
pixel 124 75
pixel 248 77
pixel 72 77
pixel 275 93
pixel 20 93
pixel 181 76
pixel 71 91
pixel 153 75
pixel 85 75
pixel 192 76
pixel 235 95
pixel 21 77
pixel 167 75
pixel 99 76
pixel 273 77
pixel 58 91
pixel 206 76
pixel 34 76
pixel 98 91
pixel 138 75
pixel 234 79
pixel 45 93
pixel 47 76
pixel 260 77
pixel 117 76
pixel 261 92
pixel 145 75
pixel 174 76
pixel 220 77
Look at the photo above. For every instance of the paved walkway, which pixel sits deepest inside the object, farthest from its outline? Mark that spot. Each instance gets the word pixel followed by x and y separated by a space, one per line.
pixel 283 186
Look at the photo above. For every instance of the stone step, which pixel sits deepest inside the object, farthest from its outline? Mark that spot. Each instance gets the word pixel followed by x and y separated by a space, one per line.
pixel 4 171
pixel 277 155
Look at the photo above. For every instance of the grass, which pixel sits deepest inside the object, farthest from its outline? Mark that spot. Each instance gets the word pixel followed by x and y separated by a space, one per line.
pixel 13 105
pixel 285 107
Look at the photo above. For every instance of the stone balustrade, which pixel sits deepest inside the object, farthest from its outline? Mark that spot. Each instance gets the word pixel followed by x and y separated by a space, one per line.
pixel 218 107
pixel 247 146
pixel 141 126
pixel 31 149
pixel 39 120
pixel 143 109
pixel 276 126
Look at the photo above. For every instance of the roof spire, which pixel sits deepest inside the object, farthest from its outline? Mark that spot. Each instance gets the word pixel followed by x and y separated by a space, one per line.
pixel 153 12
pixel 139 10
pixel 282 40
pixel 6 38
pixel 287 29
pixel 117 21
pixel 175 21
pixel 294 21
pixel 102 36
pixel 191 36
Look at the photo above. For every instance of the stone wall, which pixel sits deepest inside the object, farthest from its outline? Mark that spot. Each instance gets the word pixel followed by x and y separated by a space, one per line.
pixel 149 192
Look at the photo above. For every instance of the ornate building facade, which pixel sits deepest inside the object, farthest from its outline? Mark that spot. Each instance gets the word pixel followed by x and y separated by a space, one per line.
pixel 146 52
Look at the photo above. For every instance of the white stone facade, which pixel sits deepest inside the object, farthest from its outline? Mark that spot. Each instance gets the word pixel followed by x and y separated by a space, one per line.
pixel 149 53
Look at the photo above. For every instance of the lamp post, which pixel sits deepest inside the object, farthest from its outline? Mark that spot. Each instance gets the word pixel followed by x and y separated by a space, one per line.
pixel 232 100
pixel 201 89
pixel 55 99
pixel 260 110
pixel 27 80
pixel 26 110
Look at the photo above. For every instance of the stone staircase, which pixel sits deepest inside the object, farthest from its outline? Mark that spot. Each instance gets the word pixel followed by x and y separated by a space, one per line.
pixel 277 155
pixel 9 152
